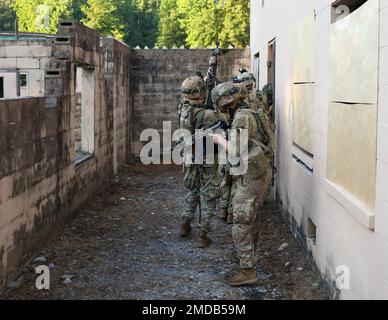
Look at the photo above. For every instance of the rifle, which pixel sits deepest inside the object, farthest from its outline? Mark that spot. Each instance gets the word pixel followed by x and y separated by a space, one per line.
pixel 211 77
pixel 224 125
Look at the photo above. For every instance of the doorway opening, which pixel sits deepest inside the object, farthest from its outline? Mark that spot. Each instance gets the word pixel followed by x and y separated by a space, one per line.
pixel 1 87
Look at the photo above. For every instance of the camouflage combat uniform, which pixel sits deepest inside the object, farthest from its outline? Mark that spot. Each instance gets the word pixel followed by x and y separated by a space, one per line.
pixel 256 102
pixel 202 181
pixel 226 183
pixel 251 184
pixel 250 188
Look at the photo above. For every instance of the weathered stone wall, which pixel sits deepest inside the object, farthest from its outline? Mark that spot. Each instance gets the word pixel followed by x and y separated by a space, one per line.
pixel 40 185
pixel 118 65
pixel 158 76
pixel 35 173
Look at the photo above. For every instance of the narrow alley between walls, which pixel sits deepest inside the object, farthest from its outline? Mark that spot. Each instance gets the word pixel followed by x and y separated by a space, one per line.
pixel 125 244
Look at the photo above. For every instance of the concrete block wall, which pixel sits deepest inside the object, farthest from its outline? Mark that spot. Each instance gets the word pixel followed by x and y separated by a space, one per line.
pixel 34 178
pixel 341 239
pixel 118 63
pixel 158 75
pixel 40 185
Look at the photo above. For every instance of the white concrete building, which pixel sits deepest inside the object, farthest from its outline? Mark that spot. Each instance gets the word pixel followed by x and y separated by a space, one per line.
pixel 329 64
pixel 22 64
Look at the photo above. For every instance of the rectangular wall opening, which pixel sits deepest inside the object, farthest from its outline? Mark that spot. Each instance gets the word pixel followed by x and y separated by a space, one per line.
pixel 311 232
pixel 271 62
pixel 352 117
pixel 303 89
pixel 1 87
pixel 256 69
pixel 342 8
pixel 84 114
pixel 23 84
pixel 303 158
pixel 271 65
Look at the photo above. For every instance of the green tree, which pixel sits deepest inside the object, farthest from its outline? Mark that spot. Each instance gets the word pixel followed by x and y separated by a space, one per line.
pixel 77 14
pixel 7 16
pixel 144 23
pixel 236 23
pixel 41 15
pixel 202 21
pixel 101 15
pixel 170 30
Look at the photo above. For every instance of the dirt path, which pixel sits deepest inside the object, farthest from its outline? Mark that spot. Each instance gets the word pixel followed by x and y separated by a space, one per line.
pixel 124 245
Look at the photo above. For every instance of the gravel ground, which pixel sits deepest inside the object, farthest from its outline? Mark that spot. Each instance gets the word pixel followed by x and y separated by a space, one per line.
pixel 125 245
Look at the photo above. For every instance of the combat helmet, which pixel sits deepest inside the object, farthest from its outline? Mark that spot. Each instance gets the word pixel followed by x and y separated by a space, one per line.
pixel 246 78
pixel 224 94
pixel 193 89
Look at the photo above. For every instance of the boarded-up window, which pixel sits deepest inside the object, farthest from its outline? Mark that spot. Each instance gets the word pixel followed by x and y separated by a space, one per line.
pixel 303 77
pixel 353 89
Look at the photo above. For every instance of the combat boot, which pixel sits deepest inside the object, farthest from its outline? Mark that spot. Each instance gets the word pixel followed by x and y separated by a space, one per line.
pixel 230 219
pixel 242 278
pixel 223 213
pixel 203 240
pixel 185 228
pixel 232 256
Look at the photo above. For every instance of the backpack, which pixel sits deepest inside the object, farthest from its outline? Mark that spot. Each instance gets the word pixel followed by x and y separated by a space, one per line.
pixel 264 128
pixel 187 114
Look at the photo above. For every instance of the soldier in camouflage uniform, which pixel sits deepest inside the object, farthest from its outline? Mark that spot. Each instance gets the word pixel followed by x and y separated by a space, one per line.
pixel 202 181
pixel 226 188
pixel 268 93
pixel 251 187
pixel 257 101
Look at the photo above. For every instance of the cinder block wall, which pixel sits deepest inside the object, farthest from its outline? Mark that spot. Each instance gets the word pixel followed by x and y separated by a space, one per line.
pixel 118 62
pixel 157 78
pixel 40 185
pixel 35 176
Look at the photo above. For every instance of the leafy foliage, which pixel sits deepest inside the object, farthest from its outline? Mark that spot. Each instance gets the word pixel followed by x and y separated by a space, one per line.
pixel 193 23
pixel 200 23
pixel 101 15
pixel 7 16
pixel 144 23
pixel 41 15
pixel 170 30
pixel 236 23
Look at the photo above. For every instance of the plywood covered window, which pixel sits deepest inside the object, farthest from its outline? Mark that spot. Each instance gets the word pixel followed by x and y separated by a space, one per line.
pixel 353 78
pixel 303 84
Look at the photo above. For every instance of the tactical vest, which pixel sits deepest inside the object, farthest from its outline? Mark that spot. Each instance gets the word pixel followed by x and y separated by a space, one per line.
pixel 264 138
pixel 187 115
pixel 194 117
